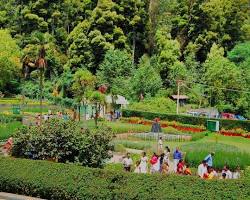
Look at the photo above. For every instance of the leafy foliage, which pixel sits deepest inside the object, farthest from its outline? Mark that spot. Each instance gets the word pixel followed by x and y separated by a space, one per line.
pixel 59 181
pixel 9 60
pixel 156 104
pixel 63 141
pixel 146 80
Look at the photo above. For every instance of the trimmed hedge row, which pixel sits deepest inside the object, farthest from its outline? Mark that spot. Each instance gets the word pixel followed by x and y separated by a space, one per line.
pixel 224 123
pixel 56 181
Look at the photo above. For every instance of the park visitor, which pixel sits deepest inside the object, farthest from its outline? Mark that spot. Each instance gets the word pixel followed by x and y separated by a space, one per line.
pixel 210 173
pixel 143 163
pixel 155 163
pixel 167 155
pixel 160 145
pixel 209 159
pixel 6 149
pixel 127 163
pixel 177 156
pixel 187 170
pixel 202 169
pixel 180 167
pixel 161 159
pixel 236 173
pixel 226 173
pixel 137 167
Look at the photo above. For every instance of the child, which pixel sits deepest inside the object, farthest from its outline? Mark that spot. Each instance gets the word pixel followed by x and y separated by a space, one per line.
pixel 187 171
pixel 154 161
pixel 210 174
pixel 127 163
pixel 236 173
pixel 180 167
pixel 137 167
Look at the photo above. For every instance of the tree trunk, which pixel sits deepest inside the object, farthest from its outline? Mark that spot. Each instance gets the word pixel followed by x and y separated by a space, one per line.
pixel 134 45
pixel 96 114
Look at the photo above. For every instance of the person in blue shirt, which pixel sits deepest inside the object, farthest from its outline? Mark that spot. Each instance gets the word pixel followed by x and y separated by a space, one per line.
pixel 209 159
pixel 177 156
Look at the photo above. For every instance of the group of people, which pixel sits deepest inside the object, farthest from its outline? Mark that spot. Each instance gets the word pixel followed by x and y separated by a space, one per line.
pixel 207 171
pixel 158 163
pixel 161 164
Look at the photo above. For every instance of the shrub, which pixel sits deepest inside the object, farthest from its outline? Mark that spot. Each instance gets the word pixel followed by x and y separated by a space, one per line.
pixel 224 154
pixel 224 123
pixel 63 141
pixel 56 181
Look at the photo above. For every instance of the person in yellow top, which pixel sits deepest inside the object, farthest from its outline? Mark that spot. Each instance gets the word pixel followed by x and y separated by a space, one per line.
pixel 211 174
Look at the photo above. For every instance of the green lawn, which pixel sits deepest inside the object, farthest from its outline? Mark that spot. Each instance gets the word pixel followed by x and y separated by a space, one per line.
pixel 7 129
pixel 240 142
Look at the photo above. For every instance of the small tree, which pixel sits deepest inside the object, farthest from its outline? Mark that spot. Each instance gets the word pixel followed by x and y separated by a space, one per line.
pixel 115 72
pixel 83 81
pixel 98 99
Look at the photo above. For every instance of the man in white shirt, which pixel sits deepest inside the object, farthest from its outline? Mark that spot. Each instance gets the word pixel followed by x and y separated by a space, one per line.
pixel 202 169
pixel 127 163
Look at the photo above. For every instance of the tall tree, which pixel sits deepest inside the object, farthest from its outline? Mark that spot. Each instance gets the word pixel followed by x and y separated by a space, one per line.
pixel 10 66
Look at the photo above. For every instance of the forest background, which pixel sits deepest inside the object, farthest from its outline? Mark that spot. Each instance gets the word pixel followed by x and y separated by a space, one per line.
pixel 134 47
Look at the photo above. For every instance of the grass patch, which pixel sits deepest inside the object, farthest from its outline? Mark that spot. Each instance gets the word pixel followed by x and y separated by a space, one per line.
pixel 224 155
pixel 7 129
pixel 132 145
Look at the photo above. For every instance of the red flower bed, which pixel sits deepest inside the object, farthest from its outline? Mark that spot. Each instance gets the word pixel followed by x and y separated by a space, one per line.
pixel 189 129
pixel 165 125
pixel 231 133
pixel 228 133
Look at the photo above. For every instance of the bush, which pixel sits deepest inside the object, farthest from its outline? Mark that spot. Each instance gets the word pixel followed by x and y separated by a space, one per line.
pixel 56 181
pixel 224 123
pixel 63 141
pixel 224 154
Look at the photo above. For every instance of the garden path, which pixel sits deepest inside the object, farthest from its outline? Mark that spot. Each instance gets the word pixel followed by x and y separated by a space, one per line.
pixel 8 196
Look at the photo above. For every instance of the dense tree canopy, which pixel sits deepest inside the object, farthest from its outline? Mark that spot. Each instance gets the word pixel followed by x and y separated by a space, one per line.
pixel 203 42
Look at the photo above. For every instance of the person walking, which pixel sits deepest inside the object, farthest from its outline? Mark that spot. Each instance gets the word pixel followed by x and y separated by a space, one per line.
pixel 127 163
pixel 209 159
pixel 143 163
pixel 160 145
pixel 155 163
pixel 167 155
pixel 177 157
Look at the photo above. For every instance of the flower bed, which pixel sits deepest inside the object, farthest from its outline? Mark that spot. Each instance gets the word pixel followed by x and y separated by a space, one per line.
pixel 235 132
pixel 165 124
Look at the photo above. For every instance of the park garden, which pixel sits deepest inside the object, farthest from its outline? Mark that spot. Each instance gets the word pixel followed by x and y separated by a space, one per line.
pixel 82 82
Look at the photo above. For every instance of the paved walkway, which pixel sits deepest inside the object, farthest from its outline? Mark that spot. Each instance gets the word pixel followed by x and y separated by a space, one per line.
pixel 8 196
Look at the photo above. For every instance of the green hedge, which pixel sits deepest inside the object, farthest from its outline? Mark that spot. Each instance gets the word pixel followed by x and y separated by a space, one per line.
pixel 224 123
pixel 56 181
